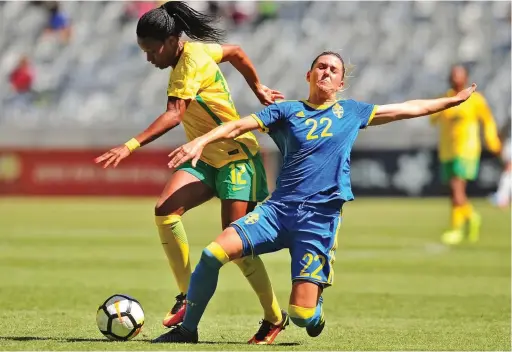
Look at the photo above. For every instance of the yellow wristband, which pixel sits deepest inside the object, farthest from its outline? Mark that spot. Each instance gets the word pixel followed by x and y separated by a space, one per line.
pixel 132 144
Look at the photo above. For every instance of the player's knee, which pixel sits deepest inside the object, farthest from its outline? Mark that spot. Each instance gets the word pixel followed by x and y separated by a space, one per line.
pixel 301 316
pixel 248 265
pixel 168 206
pixel 214 256
pixel 162 210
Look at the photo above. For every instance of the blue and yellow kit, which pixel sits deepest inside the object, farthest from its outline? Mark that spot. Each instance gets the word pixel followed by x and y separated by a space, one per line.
pixel 304 212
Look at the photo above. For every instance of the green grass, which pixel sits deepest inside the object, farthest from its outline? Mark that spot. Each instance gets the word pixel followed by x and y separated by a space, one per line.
pixel 396 287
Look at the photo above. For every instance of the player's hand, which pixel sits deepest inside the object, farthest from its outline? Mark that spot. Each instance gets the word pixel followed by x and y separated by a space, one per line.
pixel 267 96
pixel 464 94
pixel 114 155
pixel 190 151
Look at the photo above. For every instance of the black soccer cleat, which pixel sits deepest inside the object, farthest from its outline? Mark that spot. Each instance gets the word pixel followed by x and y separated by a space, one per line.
pixel 177 335
pixel 316 330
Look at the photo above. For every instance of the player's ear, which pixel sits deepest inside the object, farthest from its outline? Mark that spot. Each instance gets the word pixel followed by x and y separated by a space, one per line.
pixel 171 42
pixel 308 75
pixel 342 83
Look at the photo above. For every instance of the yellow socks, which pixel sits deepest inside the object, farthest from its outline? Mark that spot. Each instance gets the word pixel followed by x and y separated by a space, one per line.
pixel 175 244
pixel 458 217
pixel 460 214
pixel 255 272
pixel 467 210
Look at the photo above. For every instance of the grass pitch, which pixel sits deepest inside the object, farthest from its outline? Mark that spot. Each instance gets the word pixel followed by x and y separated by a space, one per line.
pixel 396 287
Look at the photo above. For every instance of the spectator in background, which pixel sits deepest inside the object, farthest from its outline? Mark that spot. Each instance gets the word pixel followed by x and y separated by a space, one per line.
pixel 58 22
pixel 214 8
pixel 266 10
pixel 241 11
pixel 135 9
pixel 21 80
pixel 22 77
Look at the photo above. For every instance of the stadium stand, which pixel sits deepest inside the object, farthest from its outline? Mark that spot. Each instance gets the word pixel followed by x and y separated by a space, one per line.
pixel 100 84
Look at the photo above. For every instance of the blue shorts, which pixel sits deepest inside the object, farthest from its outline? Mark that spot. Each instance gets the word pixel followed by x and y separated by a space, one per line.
pixel 308 231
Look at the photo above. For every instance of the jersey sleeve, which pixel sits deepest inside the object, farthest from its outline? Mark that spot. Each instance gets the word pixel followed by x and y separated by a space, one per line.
pixel 214 51
pixel 267 117
pixel 365 112
pixel 185 80
pixel 490 130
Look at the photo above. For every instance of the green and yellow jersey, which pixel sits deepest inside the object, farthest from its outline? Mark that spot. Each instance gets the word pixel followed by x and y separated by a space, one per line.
pixel 198 77
pixel 460 129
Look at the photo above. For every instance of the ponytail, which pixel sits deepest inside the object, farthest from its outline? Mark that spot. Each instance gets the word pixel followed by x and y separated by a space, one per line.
pixel 175 18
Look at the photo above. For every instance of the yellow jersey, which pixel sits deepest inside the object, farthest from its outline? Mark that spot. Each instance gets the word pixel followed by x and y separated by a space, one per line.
pixel 198 77
pixel 460 129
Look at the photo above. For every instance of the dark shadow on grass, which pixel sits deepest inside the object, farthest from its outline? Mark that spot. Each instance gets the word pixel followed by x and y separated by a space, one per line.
pixel 78 339
pixel 60 339
pixel 244 343
pixel 25 338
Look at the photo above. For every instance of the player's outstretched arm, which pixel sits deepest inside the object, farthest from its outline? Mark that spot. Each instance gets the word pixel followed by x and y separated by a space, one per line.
pixel 235 55
pixel 168 120
pixel 415 108
pixel 193 149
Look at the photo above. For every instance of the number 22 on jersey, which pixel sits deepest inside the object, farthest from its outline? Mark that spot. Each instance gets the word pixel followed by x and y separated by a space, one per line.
pixel 324 125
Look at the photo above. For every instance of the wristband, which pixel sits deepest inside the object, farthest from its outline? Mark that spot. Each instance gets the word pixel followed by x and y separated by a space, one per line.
pixel 132 144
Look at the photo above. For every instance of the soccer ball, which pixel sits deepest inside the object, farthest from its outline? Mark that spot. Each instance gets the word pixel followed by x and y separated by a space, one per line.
pixel 120 317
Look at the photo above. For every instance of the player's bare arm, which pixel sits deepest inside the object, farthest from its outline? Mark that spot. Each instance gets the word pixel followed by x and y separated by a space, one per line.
pixel 168 120
pixel 236 56
pixel 193 149
pixel 416 108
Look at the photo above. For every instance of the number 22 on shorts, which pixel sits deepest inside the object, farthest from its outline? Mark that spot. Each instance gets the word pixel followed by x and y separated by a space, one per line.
pixel 309 258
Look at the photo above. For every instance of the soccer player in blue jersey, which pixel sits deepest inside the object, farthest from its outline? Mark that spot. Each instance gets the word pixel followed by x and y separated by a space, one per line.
pixel 315 137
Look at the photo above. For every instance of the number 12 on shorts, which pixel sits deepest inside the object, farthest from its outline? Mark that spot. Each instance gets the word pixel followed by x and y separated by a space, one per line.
pixel 237 171
pixel 318 262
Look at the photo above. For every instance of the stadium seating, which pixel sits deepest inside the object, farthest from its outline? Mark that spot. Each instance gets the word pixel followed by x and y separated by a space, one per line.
pixel 401 50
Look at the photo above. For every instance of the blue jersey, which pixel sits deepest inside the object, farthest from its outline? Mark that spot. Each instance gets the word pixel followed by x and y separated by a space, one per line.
pixel 315 142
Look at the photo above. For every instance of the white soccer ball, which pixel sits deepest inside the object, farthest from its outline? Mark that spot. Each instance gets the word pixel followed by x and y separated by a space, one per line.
pixel 120 318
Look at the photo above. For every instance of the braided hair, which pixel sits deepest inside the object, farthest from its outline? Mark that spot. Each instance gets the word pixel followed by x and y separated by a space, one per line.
pixel 333 54
pixel 175 18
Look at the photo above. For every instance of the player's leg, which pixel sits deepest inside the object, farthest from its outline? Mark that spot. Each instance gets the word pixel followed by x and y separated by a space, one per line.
pixel 240 185
pixel 312 251
pixel 253 234
pixel 203 284
pixel 254 270
pixel 458 218
pixel 458 171
pixel 467 170
pixel 185 190
pixel 306 306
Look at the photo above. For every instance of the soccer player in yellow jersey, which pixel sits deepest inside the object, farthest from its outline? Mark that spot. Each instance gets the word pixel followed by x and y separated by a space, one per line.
pixel 459 153
pixel 199 98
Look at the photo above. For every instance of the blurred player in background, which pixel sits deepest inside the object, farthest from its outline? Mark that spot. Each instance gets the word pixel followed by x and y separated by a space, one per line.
pixel 315 137
pixel 503 194
pixel 199 97
pixel 459 153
